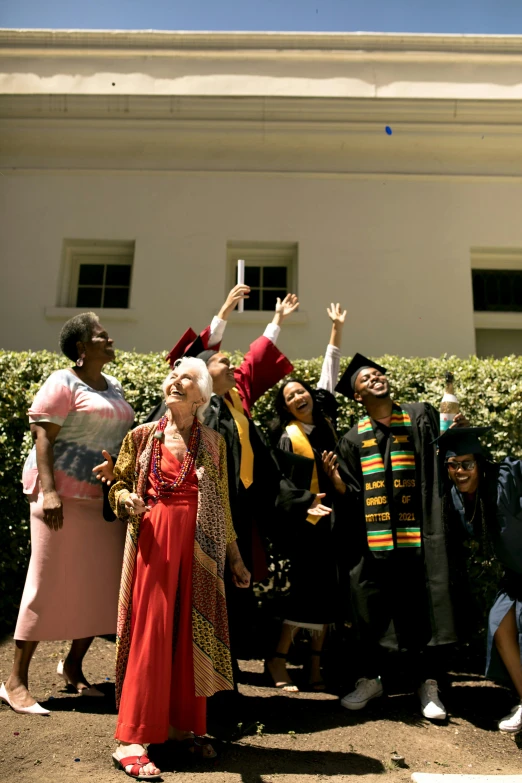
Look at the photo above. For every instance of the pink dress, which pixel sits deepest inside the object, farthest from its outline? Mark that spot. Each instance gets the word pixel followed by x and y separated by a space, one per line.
pixel 71 589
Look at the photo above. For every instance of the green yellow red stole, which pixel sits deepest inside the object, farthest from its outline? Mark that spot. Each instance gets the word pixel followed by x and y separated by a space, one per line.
pixel 301 445
pixel 396 523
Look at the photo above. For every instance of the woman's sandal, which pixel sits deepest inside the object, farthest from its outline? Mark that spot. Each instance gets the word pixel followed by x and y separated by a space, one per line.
pixel 318 686
pixel 138 762
pixel 289 687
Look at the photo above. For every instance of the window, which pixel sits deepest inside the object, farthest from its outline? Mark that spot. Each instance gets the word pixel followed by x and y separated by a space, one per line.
pixel 96 274
pixel 497 290
pixel 270 271
pixel 497 300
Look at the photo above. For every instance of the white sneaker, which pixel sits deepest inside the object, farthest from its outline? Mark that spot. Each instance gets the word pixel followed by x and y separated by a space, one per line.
pixel 365 690
pixel 431 705
pixel 512 722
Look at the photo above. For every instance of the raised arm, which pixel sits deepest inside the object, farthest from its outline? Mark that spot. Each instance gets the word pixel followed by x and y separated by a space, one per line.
pixel 332 357
pixel 264 364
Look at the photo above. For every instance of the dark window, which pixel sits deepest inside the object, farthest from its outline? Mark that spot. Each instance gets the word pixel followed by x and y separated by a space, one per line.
pixel 497 290
pixel 266 284
pixel 103 285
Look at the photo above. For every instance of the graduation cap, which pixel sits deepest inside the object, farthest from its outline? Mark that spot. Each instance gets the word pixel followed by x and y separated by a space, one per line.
pixel 190 344
pixel 460 440
pixel 346 384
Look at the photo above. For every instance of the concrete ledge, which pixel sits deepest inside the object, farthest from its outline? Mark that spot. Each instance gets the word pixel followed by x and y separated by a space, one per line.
pixel 105 313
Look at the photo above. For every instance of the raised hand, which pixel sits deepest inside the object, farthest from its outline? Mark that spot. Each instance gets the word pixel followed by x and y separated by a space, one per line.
pixel 285 308
pixel 460 420
pixel 336 314
pixel 331 469
pixel 105 470
pixel 235 295
pixel 317 509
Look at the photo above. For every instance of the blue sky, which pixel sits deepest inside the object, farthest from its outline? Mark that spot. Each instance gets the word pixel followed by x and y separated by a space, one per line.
pixel 421 16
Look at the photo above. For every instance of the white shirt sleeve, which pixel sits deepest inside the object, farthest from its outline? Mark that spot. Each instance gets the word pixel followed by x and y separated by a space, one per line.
pixel 217 330
pixel 272 332
pixel 330 369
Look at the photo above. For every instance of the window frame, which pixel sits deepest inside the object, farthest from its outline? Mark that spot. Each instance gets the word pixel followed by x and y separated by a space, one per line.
pixel 495 259
pixel 263 254
pixel 86 251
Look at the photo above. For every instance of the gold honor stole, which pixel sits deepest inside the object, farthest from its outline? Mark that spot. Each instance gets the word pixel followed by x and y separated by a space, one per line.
pixel 246 468
pixel 378 514
pixel 301 445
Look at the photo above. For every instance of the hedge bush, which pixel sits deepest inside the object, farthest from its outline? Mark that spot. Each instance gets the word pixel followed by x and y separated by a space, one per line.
pixel 490 391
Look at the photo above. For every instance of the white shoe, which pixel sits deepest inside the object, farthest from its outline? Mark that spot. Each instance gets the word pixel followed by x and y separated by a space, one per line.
pixel 431 705
pixel 365 690
pixel 512 722
pixel 34 709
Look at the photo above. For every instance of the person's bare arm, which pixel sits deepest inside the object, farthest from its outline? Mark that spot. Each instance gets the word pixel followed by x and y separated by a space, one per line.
pixel 44 435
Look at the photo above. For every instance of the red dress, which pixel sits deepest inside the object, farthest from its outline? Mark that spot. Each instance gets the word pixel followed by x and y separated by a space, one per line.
pixel 159 688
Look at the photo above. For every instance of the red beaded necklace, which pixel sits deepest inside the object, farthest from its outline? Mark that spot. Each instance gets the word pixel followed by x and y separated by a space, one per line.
pixel 164 486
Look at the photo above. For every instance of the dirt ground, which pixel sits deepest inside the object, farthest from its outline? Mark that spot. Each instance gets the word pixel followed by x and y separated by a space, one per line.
pixel 292 737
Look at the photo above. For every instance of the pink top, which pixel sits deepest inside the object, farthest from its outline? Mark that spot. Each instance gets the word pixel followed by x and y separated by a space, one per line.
pixel 90 421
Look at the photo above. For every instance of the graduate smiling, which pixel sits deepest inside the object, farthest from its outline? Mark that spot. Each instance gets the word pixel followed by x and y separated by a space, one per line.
pixel 385 473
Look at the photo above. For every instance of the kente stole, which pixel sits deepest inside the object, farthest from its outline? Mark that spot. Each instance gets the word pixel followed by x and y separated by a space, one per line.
pixel 396 524
pixel 246 468
pixel 301 445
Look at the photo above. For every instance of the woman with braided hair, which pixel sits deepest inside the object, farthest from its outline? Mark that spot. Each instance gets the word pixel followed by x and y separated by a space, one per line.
pixel 482 503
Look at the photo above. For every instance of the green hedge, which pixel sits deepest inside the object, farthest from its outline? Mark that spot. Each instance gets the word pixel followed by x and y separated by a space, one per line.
pixel 490 392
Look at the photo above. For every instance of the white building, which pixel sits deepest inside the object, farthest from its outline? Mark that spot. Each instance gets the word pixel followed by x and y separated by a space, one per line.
pixel 375 170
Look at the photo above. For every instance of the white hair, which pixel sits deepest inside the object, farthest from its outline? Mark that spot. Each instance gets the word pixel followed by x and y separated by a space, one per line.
pixel 202 378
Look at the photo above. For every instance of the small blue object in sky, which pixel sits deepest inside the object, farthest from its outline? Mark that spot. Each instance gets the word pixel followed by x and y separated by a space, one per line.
pixel 388 130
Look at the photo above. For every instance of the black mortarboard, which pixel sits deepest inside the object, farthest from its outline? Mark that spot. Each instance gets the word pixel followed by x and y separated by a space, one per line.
pixel 460 440
pixel 359 362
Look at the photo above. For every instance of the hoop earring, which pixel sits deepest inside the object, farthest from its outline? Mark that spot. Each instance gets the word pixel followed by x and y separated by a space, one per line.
pixel 79 360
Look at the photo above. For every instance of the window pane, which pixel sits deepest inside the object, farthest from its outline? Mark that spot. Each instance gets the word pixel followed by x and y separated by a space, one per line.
pixel 252 303
pixel 270 297
pixel 91 274
pixel 89 297
pixel 116 297
pixel 479 294
pixel 274 276
pixel 252 277
pixel 118 274
pixel 497 290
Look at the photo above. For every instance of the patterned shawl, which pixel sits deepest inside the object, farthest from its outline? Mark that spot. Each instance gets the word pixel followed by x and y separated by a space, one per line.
pixel 214 530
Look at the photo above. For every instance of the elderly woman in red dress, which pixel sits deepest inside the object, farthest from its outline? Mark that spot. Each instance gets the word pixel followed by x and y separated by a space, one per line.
pixel 173 644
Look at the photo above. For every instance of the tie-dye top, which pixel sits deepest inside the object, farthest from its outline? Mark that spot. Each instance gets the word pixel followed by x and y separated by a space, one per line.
pixel 90 421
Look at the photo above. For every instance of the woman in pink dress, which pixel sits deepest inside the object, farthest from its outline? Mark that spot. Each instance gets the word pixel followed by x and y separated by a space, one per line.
pixel 71 590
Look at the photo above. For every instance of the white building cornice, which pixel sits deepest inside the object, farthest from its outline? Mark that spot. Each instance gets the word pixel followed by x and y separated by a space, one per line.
pixel 49 41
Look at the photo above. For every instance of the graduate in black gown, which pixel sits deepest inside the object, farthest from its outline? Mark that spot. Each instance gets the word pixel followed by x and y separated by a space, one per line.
pixel 482 501
pixel 395 549
pixel 304 428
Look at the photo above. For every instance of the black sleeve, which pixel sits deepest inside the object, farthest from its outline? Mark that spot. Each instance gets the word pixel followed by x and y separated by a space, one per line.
pixel 349 465
pixel 328 404
pixel 156 413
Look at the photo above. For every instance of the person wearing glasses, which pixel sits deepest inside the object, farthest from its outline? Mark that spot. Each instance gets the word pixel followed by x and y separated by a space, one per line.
pixel 481 509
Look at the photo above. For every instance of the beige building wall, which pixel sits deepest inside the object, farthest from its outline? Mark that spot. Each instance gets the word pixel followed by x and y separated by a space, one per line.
pixel 262 147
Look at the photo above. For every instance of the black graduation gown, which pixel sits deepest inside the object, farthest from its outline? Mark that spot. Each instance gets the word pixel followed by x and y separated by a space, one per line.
pixel 401 601
pixel 310 548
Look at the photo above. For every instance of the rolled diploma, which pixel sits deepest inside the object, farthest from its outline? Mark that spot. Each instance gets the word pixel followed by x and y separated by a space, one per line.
pixel 241 281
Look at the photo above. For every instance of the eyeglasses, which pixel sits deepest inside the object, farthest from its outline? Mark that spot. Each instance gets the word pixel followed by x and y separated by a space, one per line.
pixel 467 464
